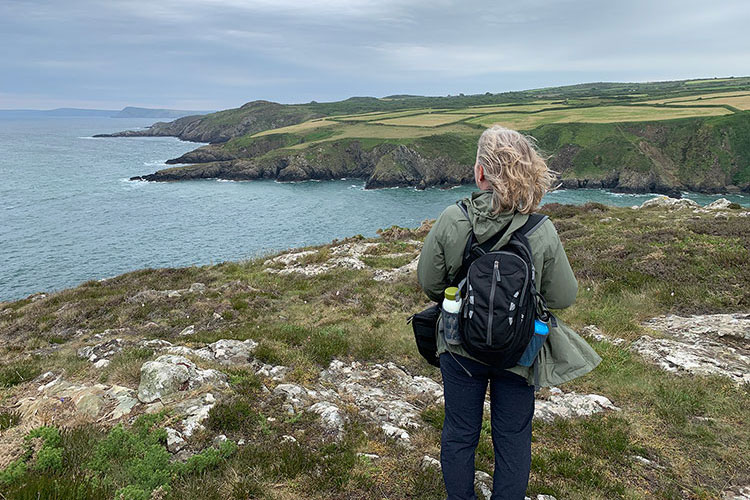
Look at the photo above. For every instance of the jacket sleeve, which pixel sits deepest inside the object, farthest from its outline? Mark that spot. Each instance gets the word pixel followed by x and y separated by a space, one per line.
pixel 558 283
pixel 431 269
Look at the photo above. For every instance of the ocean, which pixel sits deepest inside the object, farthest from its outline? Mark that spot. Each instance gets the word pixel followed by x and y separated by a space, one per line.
pixel 68 214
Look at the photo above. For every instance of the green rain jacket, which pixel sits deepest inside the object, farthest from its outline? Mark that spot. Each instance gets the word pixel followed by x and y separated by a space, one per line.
pixel 565 354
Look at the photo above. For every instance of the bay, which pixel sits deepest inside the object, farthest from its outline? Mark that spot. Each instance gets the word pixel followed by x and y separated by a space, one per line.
pixel 68 213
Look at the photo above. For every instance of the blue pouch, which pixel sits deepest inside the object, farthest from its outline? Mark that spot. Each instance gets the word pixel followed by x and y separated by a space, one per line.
pixel 541 331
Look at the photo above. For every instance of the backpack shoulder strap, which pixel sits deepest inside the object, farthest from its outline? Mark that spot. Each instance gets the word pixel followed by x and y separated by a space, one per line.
pixel 533 223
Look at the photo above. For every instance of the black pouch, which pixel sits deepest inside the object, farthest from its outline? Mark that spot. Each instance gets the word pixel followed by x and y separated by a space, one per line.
pixel 424 324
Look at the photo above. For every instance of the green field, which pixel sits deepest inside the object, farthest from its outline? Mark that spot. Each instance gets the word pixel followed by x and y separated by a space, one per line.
pixel 706 122
pixel 598 114
pixel 526 114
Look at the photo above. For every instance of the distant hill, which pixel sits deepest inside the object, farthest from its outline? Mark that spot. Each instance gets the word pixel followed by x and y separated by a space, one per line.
pixel 127 112
pixel 30 113
pixel 134 112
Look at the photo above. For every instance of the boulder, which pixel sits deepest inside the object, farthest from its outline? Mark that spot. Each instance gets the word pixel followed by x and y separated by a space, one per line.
pixel 570 405
pixel 670 203
pixel 720 204
pixel 170 374
pixel 229 351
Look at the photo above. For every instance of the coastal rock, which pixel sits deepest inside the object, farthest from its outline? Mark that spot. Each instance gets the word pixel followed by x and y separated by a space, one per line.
pixel 193 412
pixel 169 374
pixel 60 401
pixel 669 203
pixel 702 345
pixel 720 204
pixel 102 351
pixel 346 255
pixel 570 405
pixel 386 165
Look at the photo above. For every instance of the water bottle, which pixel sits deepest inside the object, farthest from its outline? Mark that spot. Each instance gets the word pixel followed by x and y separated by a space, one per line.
pixel 451 308
pixel 541 330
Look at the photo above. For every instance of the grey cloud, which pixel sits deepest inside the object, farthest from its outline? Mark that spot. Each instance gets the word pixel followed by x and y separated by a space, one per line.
pixel 221 53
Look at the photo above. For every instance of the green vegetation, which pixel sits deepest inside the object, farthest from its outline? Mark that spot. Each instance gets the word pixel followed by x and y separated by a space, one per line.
pixel 631 265
pixel 129 463
pixel 16 373
pixel 323 140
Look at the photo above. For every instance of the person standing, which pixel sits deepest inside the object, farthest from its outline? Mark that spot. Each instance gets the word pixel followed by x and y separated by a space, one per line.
pixel 512 178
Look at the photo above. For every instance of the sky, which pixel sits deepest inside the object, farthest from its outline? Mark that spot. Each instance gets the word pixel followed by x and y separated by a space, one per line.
pixel 217 54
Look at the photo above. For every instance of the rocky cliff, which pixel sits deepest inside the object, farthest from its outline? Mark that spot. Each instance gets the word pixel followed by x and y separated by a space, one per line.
pixel 710 155
pixel 385 165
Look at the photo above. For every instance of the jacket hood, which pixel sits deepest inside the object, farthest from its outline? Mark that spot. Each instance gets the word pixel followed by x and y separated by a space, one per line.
pixel 484 222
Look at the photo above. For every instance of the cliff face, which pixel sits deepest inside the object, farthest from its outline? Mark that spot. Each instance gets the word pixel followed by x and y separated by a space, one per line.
pixel 705 155
pixel 386 165
pixel 699 154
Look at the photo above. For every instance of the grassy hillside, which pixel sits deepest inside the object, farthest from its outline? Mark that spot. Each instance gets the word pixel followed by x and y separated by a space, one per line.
pixel 631 265
pixel 665 136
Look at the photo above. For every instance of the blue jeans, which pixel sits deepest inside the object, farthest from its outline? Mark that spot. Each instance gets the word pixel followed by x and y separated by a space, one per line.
pixel 512 408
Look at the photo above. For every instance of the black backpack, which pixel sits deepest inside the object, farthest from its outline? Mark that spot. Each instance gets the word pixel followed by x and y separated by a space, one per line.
pixel 500 300
pixel 425 323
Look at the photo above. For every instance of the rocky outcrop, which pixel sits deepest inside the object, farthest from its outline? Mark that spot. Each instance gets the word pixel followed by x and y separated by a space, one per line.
pixel 570 405
pixel 713 344
pixel 170 374
pixel 57 400
pixel 717 344
pixel 669 203
pixel 721 208
pixel 346 256
pixel 387 165
pixel 622 184
pixel 706 155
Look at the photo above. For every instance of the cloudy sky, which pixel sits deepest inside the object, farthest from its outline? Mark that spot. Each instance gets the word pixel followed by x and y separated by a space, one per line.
pixel 214 54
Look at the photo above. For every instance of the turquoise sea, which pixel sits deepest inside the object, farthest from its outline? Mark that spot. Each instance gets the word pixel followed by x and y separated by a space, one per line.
pixel 68 213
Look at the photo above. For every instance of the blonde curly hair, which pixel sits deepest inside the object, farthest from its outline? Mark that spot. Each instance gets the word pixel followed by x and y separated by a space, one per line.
pixel 515 169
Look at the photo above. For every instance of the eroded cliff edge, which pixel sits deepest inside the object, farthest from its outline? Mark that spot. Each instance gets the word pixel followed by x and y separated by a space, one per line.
pixel 709 155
